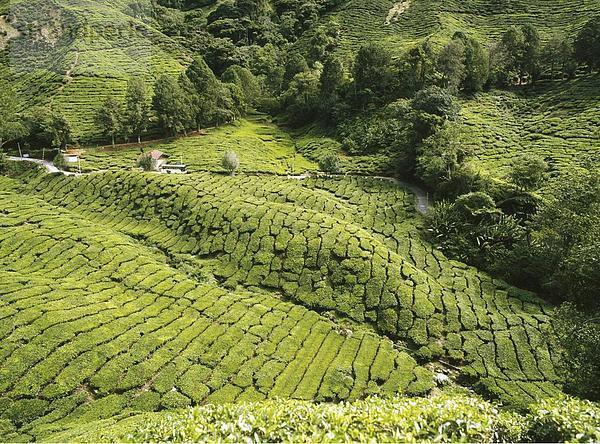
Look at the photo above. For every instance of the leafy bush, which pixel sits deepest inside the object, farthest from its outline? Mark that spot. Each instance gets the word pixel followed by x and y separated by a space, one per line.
pixel 579 334
pixel 60 162
pixel 446 418
pixel 230 162
pixel 146 162
pixel 564 420
pixel 330 163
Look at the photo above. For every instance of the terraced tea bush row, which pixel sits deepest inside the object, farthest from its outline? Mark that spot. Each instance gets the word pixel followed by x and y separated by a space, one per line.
pixel 94 324
pixel 558 122
pixel 321 243
pixel 444 418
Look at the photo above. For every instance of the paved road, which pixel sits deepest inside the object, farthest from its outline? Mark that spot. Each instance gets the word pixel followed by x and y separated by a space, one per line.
pixel 423 203
pixel 45 163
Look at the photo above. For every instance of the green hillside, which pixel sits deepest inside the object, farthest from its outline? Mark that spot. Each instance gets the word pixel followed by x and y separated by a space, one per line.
pixel 401 23
pixel 74 54
pixel 132 291
pixel 405 248
pixel 558 121
pixel 96 323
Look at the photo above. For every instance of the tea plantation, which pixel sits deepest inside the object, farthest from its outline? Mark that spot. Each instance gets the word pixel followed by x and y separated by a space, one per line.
pixel 446 418
pixel 558 121
pixel 95 324
pixel 130 291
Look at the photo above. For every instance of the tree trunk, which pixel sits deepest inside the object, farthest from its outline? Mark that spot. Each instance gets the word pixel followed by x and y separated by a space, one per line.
pixel 113 141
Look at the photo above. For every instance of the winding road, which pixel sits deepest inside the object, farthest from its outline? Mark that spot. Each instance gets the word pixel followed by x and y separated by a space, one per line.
pixel 422 197
pixel 423 203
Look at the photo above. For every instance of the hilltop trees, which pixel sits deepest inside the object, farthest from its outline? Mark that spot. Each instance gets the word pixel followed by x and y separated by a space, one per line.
pixel 587 44
pixel 110 118
pixel 137 108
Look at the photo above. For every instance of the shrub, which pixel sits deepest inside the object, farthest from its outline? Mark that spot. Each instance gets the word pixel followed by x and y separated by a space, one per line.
pixel 146 162
pixel 330 163
pixel 446 418
pixel 564 420
pixel 3 163
pixel 230 162
pixel 60 162
pixel 528 172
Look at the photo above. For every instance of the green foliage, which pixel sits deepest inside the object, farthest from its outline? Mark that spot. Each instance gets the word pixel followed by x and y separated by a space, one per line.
pixel 579 335
pixel 528 172
pixel 47 128
pixel 137 108
pixel 146 162
pixel 442 162
pixel 230 162
pixel 110 118
pixel 11 125
pixel 330 163
pixel 433 106
pixel 442 418
pixel 587 43
pixel 566 235
pixel 564 420
pixel 60 162
pixel 372 74
pixel 171 106
pixel 473 229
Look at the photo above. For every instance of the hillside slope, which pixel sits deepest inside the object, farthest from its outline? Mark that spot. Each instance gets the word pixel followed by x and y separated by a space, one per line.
pixel 96 324
pixel 73 54
pixel 210 258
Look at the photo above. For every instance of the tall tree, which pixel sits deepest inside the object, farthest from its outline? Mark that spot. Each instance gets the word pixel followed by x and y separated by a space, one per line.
pixel 11 124
pixel 206 89
pixel 332 78
pixel 47 128
pixel 110 118
pixel 477 64
pixel 557 56
pixel 372 73
pixel 137 108
pixel 587 44
pixel 170 105
pixel 530 64
pixel 451 64
pixel 60 130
